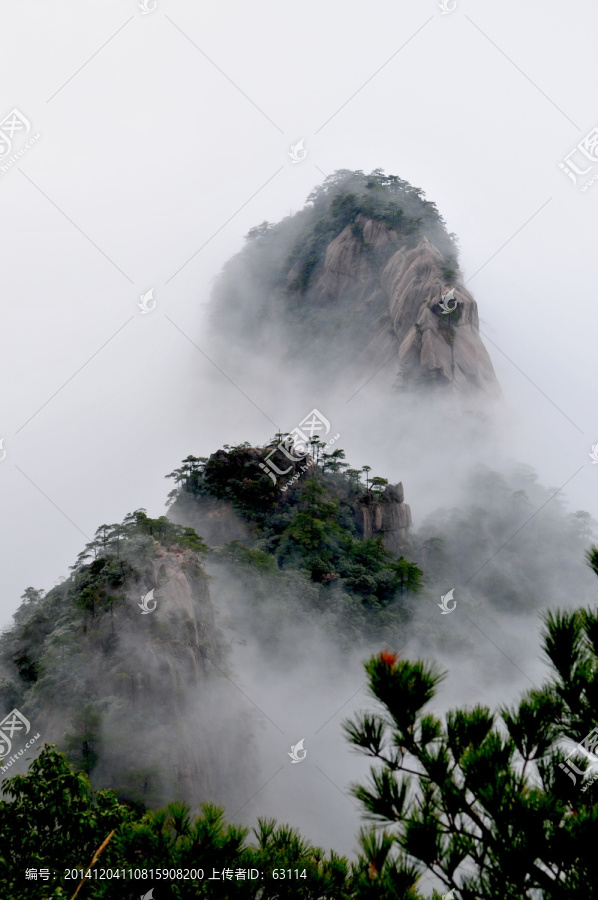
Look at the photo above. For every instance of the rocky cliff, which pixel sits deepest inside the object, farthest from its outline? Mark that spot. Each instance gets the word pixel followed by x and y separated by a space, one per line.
pixel 127 690
pixel 355 279
pixel 384 515
pixel 435 342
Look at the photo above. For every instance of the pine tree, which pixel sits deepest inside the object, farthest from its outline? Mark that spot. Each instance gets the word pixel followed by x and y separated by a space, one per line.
pixel 478 799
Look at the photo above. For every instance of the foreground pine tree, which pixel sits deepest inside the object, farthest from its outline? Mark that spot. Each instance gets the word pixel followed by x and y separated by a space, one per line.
pixel 479 800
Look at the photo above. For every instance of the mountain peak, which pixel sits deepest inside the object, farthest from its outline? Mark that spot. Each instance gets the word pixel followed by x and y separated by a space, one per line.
pixel 359 274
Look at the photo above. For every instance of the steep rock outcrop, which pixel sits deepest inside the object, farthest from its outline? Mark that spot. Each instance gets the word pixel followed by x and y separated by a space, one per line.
pixel 184 615
pixel 384 515
pixel 435 343
pixel 347 268
pixel 133 696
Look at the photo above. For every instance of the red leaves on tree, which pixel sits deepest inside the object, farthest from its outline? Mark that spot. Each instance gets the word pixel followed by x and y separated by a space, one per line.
pixel 389 659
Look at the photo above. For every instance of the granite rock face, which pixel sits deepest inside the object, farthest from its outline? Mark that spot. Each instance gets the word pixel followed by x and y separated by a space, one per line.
pixel 436 343
pixel 347 268
pixel 136 697
pixel 384 515
pixel 437 340
pixel 184 611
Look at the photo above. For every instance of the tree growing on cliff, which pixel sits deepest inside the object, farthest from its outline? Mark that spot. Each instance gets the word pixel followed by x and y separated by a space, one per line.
pixel 333 462
pixel 378 484
pixel 480 800
pixel 406 576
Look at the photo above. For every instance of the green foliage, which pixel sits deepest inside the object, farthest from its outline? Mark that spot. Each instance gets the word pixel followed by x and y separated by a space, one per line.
pixel 475 800
pixel 479 801
pixel 32 625
pixel 258 231
pixel 310 526
pixel 333 462
pixel 592 556
pixel 406 576
pixel 110 539
pixel 378 484
pixel 82 742
pixel 54 820
pixel 344 197
pixel 230 474
pixel 379 873
pixel 450 271
pixel 239 554
pixel 95 581
pixel 31 599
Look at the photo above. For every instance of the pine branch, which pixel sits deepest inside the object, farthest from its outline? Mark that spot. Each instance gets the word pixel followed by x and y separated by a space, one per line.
pixel 93 862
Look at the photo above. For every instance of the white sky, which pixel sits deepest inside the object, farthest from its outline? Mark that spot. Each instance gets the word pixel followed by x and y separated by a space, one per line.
pixel 165 137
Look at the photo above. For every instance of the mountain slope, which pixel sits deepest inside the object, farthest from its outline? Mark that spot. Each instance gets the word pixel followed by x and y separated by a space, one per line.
pixel 356 277
pixel 126 689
